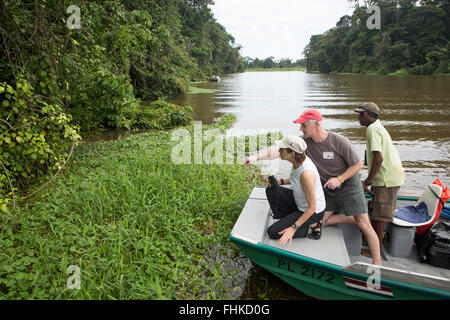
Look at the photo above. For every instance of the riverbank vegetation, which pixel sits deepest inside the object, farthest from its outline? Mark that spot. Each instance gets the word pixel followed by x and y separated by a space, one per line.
pixel 272 64
pixel 414 38
pixel 119 220
pixel 65 72
pixel 134 224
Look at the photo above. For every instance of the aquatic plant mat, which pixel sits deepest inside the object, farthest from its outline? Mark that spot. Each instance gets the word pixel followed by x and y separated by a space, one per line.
pixel 124 222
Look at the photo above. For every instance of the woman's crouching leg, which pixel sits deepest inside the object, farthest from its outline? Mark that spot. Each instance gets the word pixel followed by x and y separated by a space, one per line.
pixel 286 222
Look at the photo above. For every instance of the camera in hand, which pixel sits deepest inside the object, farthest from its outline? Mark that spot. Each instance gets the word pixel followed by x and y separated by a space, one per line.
pixel 273 181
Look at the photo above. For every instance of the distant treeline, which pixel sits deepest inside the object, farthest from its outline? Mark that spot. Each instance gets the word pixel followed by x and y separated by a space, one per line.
pixel 413 39
pixel 271 62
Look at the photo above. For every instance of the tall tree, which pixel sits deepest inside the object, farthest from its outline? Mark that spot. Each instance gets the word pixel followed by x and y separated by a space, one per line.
pixel 413 36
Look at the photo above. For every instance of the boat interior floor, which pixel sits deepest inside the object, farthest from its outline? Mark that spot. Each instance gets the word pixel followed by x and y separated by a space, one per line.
pixel 411 264
pixel 329 248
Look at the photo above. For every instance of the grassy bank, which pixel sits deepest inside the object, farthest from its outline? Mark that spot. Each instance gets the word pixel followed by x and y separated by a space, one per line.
pixel 136 225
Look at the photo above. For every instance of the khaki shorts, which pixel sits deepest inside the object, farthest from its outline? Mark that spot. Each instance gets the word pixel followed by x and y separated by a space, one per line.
pixel 384 202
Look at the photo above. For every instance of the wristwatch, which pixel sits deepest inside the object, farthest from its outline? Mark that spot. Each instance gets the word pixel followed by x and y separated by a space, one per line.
pixel 367 183
pixel 295 227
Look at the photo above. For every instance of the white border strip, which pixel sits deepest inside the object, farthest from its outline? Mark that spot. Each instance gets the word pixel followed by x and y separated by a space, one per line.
pixel 238 236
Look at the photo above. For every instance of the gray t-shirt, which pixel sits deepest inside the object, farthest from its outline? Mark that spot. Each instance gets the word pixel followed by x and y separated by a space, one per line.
pixel 332 156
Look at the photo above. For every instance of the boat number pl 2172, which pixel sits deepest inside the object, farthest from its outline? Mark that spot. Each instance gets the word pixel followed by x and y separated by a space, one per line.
pixel 307 272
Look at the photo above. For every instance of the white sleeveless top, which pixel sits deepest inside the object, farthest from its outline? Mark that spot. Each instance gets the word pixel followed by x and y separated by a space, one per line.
pixel 299 194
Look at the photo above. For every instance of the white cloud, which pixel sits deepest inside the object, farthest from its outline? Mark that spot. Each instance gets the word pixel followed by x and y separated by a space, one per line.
pixel 277 28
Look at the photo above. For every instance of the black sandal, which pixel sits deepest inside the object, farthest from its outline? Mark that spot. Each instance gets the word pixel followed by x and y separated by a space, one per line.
pixel 315 235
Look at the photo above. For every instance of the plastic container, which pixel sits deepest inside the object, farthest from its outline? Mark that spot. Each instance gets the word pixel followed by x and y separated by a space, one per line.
pixel 399 240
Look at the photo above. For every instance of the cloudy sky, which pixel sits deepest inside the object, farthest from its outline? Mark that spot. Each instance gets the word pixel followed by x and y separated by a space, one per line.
pixel 278 28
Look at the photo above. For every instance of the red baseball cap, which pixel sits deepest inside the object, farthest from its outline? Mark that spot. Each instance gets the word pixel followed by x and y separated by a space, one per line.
pixel 310 114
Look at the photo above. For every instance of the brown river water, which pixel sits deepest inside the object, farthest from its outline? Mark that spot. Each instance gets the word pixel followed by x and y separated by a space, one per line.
pixel 414 109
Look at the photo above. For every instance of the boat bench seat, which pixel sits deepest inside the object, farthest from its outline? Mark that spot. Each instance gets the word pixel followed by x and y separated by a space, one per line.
pixel 252 224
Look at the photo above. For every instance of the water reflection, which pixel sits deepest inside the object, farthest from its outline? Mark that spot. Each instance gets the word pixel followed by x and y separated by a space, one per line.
pixel 415 111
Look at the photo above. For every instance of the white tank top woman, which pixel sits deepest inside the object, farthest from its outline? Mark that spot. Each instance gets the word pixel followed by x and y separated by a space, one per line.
pixel 299 194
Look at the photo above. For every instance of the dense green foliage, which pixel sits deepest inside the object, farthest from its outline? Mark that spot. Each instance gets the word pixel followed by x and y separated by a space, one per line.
pixel 159 115
pixel 58 82
pixel 414 38
pixel 137 225
pixel 187 44
pixel 35 137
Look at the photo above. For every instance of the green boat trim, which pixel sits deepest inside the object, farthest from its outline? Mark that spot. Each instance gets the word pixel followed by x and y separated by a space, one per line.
pixel 332 268
pixel 338 270
pixel 405 198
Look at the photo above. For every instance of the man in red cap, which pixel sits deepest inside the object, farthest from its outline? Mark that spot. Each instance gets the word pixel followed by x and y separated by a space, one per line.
pixel 310 114
pixel 338 165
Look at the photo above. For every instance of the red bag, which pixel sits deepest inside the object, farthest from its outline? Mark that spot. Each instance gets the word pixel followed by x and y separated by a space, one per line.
pixel 444 197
